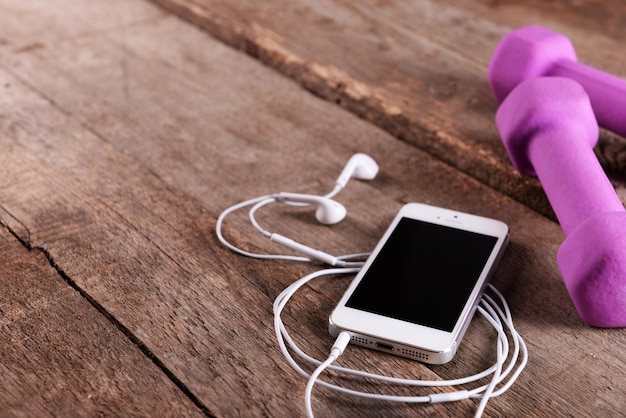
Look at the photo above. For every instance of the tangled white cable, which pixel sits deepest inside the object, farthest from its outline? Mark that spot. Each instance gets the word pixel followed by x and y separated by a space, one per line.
pixel 329 211
pixel 294 199
pixel 498 316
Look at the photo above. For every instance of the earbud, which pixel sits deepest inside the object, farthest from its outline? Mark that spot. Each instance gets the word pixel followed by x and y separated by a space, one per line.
pixel 328 211
pixel 359 166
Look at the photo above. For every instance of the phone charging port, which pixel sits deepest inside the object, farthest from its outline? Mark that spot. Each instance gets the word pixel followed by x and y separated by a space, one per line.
pixel 384 346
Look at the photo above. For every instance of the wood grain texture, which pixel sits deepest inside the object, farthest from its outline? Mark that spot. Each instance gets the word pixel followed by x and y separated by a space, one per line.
pixel 60 357
pixel 123 141
pixel 417 69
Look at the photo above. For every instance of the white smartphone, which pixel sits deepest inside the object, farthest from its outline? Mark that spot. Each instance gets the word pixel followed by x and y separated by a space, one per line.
pixel 418 290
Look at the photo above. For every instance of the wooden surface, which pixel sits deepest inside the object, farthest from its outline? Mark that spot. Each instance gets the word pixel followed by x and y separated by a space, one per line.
pixel 417 69
pixel 126 130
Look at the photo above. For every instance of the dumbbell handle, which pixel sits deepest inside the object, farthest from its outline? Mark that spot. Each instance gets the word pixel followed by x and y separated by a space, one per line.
pixel 572 177
pixel 606 92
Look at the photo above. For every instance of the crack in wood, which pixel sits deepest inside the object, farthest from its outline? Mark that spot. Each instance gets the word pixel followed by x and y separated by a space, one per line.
pixel 43 248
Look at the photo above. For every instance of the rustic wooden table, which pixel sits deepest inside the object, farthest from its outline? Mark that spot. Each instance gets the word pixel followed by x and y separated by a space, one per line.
pixel 127 126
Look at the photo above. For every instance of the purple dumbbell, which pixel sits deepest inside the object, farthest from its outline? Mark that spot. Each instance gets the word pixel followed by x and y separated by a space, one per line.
pixel 549 130
pixel 534 51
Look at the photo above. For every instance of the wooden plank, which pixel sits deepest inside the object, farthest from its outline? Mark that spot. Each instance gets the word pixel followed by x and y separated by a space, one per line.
pixel 61 357
pixel 122 145
pixel 123 230
pixel 417 69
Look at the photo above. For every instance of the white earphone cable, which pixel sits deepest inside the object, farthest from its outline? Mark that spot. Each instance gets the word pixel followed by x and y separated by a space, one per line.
pixel 226 243
pixel 497 312
pixel 488 308
pixel 261 201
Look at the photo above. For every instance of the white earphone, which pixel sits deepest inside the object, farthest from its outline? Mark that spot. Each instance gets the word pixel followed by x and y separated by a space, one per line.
pixel 328 211
pixel 360 166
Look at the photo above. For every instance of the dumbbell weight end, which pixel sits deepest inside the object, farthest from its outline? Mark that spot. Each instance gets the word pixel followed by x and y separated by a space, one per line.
pixel 535 51
pixel 592 262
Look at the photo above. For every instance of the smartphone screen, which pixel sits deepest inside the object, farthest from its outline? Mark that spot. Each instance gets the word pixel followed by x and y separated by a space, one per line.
pixel 424 274
pixel 416 293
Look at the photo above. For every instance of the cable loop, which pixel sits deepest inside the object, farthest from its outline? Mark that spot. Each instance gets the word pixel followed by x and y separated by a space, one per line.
pixel 498 317
pixel 496 311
